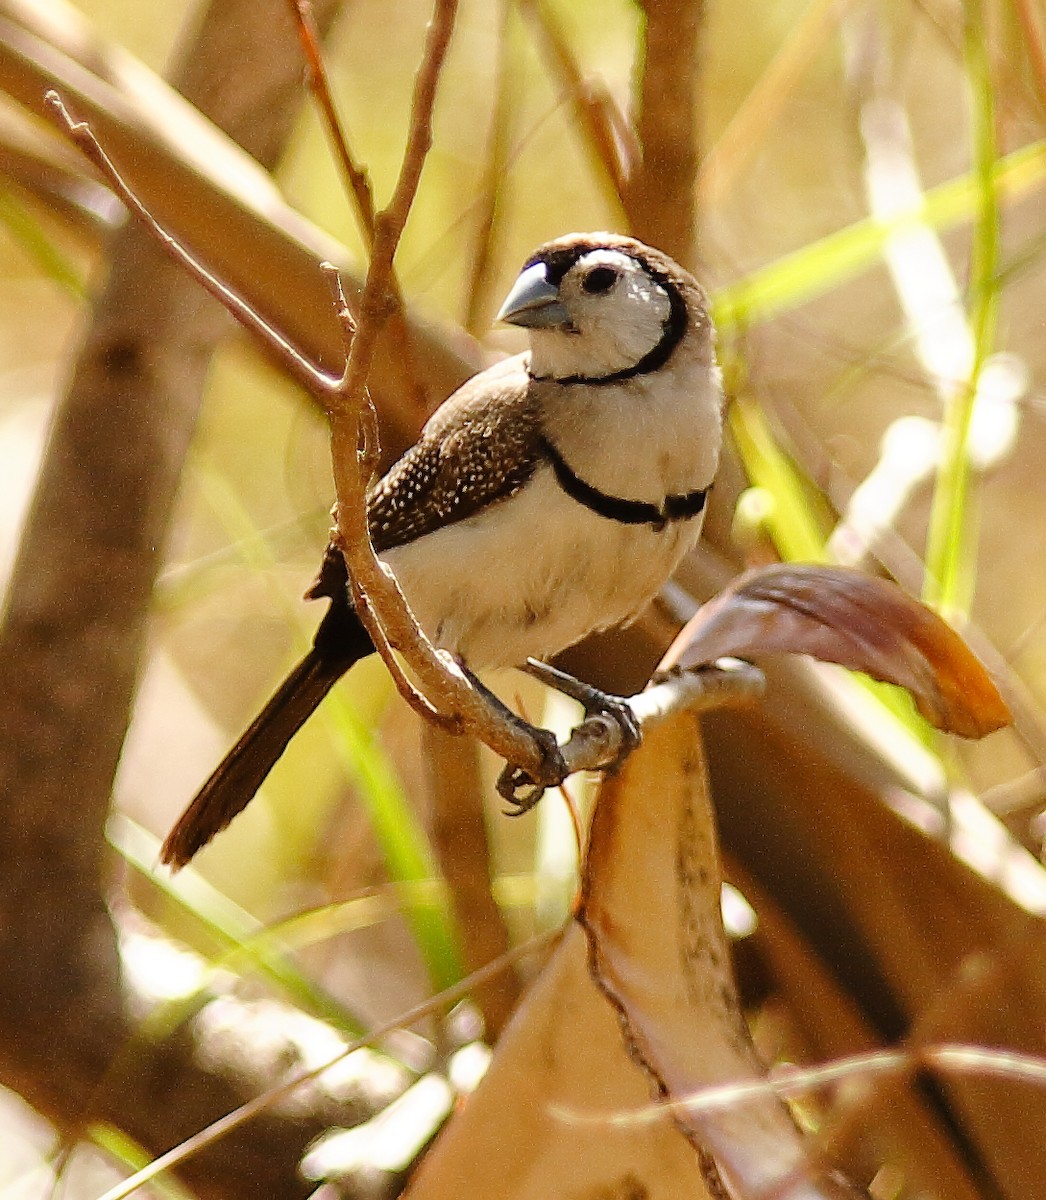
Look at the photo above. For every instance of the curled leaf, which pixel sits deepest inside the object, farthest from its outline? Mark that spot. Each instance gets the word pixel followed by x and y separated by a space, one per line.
pixel 841 616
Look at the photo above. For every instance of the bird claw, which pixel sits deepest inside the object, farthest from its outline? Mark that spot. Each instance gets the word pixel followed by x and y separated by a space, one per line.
pixel 520 789
pixel 518 786
pixel 618 710
pixel 595 703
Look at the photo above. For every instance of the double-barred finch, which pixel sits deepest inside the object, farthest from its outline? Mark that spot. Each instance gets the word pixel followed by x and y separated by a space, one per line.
pixel 550 496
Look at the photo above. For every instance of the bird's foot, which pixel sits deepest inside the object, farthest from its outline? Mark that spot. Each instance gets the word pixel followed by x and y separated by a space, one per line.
pixel 595 703
pixel 519 787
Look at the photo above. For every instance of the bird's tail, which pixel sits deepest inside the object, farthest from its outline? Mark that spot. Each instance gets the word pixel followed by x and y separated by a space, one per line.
pixel 340 641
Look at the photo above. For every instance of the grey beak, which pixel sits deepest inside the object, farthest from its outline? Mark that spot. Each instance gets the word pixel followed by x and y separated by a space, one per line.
pixel 534 302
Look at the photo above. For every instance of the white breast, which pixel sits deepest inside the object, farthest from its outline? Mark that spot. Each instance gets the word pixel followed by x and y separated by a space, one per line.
pixel 533 575
pixel 647 436
pixel 537 572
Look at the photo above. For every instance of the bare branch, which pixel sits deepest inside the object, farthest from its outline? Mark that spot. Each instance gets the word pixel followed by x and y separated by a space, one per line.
pixel 596 742
pixel 443 684
pixel 291 359
pixel 355 176
pixel 357 183
pixel 447 693
pixel 350 483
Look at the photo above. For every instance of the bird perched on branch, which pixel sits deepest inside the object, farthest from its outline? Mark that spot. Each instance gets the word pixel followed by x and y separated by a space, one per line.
pixel 549 497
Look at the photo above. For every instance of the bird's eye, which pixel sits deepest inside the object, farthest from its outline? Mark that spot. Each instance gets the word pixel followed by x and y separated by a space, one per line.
pixel 599 279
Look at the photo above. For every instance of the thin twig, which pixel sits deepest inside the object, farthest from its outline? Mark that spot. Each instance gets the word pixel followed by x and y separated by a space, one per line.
pixel 792 1082
pixel 370 448
pixel 356 179
pixel 292 360
pixel 330 390
pixel 386 648
pixel 596 742
pixel 326 387
pixel 419 135
pixel 437 675
pixel 368 577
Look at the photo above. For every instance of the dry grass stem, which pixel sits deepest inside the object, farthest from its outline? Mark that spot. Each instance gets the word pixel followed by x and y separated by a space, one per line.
pixel 610 136
pixel 495 171
pixel 355 177
pixel 441 1002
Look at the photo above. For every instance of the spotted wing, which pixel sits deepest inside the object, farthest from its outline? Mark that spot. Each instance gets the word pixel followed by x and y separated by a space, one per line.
pixel 479 448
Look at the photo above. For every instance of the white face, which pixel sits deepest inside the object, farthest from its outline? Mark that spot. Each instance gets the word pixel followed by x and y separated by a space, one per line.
pixel 618 314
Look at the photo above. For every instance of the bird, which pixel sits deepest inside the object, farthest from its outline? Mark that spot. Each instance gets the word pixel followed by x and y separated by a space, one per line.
pixel 549 497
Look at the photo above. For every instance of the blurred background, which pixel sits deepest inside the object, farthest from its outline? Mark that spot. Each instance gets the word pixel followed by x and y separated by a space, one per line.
pixel 860 186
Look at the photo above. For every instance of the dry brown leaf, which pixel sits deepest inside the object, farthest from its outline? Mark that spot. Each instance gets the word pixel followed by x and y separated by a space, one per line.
pixel 651 909
pixel 519 1136
pixel 859 621
pixel 636 1001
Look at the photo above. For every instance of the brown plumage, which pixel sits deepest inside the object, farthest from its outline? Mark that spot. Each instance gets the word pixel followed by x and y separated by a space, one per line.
pixel 479 448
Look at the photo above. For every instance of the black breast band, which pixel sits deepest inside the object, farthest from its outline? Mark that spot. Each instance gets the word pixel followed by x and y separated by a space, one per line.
pixel 676 507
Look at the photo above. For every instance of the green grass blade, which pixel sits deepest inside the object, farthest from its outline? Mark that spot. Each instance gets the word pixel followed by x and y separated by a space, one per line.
pixel 242 942
pixel 121 1147
pixel 792 520
pixel 951 551
pixel 30 235
pixel 823 265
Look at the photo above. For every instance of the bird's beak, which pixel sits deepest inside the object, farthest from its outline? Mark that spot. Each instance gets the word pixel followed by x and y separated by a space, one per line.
pixel 534 302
